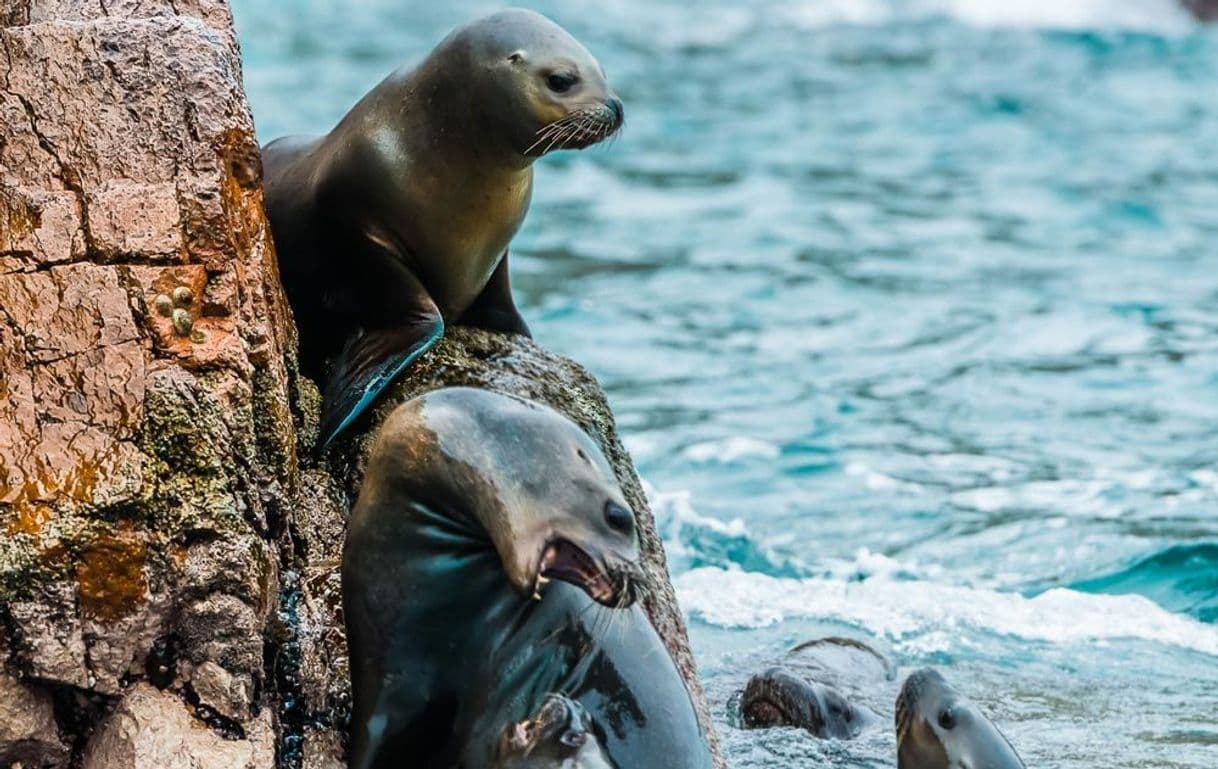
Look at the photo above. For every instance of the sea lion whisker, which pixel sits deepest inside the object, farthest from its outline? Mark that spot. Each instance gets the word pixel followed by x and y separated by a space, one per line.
pixel 549 131
pixel 549 126
pixel 559 140
pixel 580 129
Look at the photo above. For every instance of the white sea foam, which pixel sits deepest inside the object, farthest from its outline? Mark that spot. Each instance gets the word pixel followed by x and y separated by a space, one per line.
pixel 729 450
pixel 675 513
pixel 1149 15
pixel 1159 15
pixel 927 616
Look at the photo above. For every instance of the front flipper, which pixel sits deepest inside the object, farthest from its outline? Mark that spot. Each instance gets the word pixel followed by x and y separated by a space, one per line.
pixel 368 364
pixel 494 309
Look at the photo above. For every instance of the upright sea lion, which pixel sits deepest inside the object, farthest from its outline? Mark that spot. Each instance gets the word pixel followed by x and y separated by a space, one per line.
pixel 398 221
pixel 558 736
pixel 471 504
pixel 939 728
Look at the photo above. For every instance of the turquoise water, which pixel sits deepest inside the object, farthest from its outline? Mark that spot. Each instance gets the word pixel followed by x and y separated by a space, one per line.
pixel 909 315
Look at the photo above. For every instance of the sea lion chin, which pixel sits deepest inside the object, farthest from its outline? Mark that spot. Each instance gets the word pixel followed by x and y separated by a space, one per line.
pixel 397 223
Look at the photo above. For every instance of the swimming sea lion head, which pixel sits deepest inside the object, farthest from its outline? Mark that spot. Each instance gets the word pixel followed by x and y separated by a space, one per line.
pixel 939 728
pixel 558 735
pixel 535 483
pixel 779 697
pixel 538 85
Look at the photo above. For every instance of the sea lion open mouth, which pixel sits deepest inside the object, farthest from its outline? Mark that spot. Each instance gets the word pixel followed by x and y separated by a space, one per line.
pixel 564 560
pixel 767 701
pixel 780 697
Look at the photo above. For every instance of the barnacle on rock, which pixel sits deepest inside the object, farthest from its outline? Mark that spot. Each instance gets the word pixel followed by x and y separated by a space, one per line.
pixel 182 322
pixel 163 304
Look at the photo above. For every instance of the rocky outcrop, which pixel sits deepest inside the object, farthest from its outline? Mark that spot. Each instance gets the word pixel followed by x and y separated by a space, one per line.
pixel 168 551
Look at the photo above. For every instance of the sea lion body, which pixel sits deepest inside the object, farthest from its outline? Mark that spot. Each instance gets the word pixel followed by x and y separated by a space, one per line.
pixel 472 503
pixel 397 223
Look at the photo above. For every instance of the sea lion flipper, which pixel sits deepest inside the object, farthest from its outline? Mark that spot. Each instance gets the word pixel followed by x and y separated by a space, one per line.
pixel 369 362
pixel 494 309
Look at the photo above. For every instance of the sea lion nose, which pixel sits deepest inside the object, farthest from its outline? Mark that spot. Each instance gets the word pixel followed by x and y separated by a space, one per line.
pixel 619 518
pixel 619 112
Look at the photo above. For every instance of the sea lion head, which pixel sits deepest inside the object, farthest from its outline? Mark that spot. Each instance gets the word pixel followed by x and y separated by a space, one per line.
pixel 539 86
pixel 527 476
pixel 558 736
pixel 779 697
pixel 939 728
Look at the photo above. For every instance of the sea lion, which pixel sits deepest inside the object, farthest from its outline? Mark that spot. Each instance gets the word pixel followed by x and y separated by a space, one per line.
pixel 398 221
pixel 939 728
pixel 776 697
pixel 491 560
pixel 558 736
pixel 824 686
pixel 818 688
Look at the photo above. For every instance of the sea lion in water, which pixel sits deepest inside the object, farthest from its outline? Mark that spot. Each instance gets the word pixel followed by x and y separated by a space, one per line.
pixel 471 504
pixel 806 691
pixel 558 736
pixel 936 726
pixel 939 728
pixel 776 697
pixel 398 221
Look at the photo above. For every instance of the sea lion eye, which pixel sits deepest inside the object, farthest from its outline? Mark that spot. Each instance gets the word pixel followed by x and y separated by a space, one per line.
pixel 619 518
pixel 561 82
pixel 947 718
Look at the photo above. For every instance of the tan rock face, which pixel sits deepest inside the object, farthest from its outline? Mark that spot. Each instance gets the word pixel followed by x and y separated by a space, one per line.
pixel 169 587
pixel 28 734
pixel 146 457
pixel 153 730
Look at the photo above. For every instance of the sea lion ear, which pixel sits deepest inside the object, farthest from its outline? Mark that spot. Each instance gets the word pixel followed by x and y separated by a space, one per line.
pixel 517 57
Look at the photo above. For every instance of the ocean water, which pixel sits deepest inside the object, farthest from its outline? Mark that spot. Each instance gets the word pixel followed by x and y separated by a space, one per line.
pixel 909 315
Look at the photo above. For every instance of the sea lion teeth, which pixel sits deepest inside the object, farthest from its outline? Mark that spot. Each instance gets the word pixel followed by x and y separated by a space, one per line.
pixel 444 540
